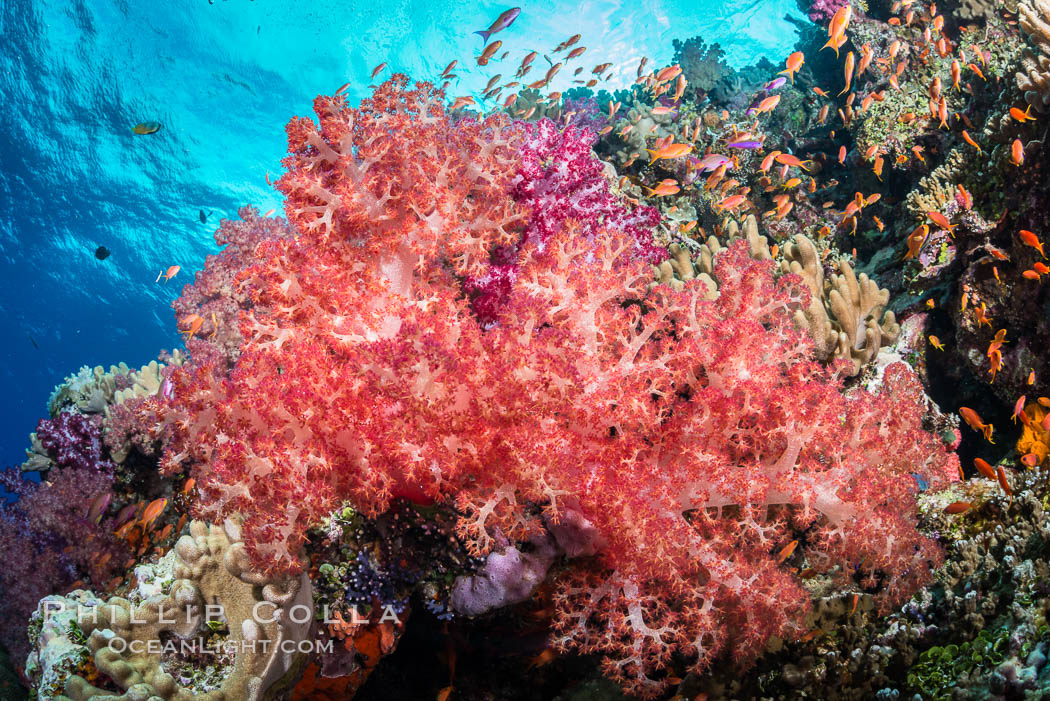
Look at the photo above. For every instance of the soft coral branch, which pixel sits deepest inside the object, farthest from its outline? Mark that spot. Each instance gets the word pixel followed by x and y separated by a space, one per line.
pixel 696 436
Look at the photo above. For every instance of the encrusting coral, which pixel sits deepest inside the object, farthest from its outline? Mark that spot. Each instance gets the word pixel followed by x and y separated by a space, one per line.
pixel 203 593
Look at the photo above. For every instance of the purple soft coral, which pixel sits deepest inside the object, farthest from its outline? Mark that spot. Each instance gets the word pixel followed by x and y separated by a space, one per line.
pixel 561 180
pixel 824 10
pixel 74 440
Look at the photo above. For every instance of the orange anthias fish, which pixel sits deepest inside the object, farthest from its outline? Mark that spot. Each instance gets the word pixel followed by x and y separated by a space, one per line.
pixel 840 20
pixel 969 139
pixel 984 468
pixel 376 71
pixel 487 54
pixel 786 551
pixel 915 241
pixel 154 510
pixel 957 507
pixel 168 274
pixel 1030 239
pixel 666 187
pixel 973 420
pixel 461 102
pixel 848 71
pixel 790 160
pixel 768 104
pixel 1017 152
pixel 669 151
pixel 793 63
pixel 1022 116
pixel 191 324
pixel 941 221
pixel 936 343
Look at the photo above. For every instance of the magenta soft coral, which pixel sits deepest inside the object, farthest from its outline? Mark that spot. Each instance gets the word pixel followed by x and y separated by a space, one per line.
pixel 824 10
pixel 698 437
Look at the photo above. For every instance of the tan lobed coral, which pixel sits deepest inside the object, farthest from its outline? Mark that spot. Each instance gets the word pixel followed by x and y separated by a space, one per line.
pixel 203 592
pixel 1033 77
pixel 846 317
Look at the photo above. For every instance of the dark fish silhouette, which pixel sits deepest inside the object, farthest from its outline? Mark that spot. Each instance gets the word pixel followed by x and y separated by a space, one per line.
pixel 33 341
pixel 203 216
pixel 102 253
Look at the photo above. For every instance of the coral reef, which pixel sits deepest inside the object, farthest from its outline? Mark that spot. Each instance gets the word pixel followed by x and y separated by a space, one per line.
pixel 662 391
pixel 203 592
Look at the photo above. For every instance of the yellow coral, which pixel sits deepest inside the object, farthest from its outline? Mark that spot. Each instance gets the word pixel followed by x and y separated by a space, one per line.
pixel 1034 439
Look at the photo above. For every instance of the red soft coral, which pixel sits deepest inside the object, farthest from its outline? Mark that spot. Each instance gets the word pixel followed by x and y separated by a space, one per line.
pixel 698 436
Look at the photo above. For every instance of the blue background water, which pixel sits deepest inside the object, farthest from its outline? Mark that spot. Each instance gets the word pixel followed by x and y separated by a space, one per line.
pixel 223 79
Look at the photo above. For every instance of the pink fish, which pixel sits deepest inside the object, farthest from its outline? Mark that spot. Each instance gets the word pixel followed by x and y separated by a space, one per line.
pixel 745 144
pixel 502 22
pixel 775 83
pixel 711 161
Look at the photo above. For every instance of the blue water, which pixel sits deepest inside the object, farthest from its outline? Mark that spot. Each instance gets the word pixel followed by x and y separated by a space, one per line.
pixel 223 79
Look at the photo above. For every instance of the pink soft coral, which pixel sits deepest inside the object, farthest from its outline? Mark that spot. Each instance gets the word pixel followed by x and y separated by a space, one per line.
pixel 824 10
pixel 697 437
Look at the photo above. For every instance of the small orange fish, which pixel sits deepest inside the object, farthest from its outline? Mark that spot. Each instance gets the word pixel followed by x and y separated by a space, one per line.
pixel 1022 116
pixel 1001 474
pixel 668 186
pixel 1030 239
pixel 847 70
pixel 936 343
pixel 941 221
pixel 155 509
pixel 461 102
pixel 877 168
pixel 793 63
pixel 853 606
pixel 192 323
pixel 957 507
pixel 1031 377
pixel 768 104
pixel 820 92
pixel 669 151
pixel 984 468
pixel 1017 152
pixel 377 69
pixel 168 274
pixel 786 551
pixel 842 155
pixel 915 241
pixel 964 197
pixel 969 139
pixel 1030 460
pixel 973 420
pixel 810 635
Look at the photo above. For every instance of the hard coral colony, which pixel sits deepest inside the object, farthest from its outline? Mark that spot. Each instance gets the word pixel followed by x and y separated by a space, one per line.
pixel 614 369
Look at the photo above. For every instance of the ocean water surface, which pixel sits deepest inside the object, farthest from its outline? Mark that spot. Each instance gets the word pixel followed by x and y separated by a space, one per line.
pixel 223 78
